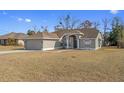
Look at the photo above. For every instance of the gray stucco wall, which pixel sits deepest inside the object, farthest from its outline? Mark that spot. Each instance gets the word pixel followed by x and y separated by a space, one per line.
pixel 87 43
pixel 33 44
pixel 39 44
pixel 51 44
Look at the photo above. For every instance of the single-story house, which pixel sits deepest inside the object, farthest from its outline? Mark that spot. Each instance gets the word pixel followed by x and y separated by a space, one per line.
pixel 86 38
pixel 17 38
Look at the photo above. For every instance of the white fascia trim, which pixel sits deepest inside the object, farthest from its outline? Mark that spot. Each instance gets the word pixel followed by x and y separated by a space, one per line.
pixel 44 49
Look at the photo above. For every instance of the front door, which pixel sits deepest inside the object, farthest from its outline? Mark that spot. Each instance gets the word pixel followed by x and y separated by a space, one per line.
pixel 72 42
pixel 75 42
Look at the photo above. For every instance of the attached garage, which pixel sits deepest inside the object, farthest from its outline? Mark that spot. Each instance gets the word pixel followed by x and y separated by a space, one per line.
pixel 50 44
pixel 33 44
pixel 42 44
pixel 42 41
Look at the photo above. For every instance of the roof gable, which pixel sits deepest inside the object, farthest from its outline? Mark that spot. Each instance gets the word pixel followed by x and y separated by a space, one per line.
pixel 88 32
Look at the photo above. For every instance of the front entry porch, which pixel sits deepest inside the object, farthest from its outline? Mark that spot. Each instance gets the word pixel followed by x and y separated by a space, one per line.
pixel 71 41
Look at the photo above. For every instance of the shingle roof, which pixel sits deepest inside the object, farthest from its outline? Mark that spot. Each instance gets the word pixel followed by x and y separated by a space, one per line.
pixel 43 35
pixel 14 35
pixel 62 32
pixel 88 32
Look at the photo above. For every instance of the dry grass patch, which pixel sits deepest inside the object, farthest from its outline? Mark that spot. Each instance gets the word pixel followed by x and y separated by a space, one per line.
pixel 77 65
pixel 6 48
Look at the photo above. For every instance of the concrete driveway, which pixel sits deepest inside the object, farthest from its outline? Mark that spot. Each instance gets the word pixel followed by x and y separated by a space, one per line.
pixel 13 51
pixel 22 51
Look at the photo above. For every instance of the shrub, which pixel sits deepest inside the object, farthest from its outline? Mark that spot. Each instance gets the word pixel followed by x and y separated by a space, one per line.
pixel 12 41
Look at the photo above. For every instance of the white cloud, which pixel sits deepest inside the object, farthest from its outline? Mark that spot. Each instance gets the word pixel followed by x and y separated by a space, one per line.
pixel 27 20
pixel 114 11
pixel 20 19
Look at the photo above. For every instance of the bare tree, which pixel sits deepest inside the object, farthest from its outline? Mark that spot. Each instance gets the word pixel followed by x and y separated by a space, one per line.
pixel 96 25
pixel 44 28
pixel 67 22
pixel 73 24
pixel 35 28
pixel 85 24
pixel 32 31
pixel 106 28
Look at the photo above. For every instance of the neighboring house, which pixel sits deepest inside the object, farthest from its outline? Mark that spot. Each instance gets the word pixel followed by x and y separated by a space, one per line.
pixel 17 37
pixel 87 38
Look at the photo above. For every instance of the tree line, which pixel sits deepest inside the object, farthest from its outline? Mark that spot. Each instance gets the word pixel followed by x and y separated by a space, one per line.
pixel 67 22
pixel 113 29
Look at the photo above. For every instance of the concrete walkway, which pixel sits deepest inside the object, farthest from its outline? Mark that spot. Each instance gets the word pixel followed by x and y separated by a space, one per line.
pixel 22 51
pixel 13 51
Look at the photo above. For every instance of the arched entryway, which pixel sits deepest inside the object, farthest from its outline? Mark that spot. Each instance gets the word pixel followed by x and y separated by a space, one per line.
pixel 72 41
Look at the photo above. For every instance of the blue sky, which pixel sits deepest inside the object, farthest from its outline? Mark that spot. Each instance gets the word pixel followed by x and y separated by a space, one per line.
pixel 22 20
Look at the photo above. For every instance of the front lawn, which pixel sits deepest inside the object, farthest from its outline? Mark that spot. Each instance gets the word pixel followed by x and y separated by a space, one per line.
pixel 6 48
pixel 106 64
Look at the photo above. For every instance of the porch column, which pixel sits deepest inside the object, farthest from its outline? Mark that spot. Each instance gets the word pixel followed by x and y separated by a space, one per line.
pixel 78 46
pixel 67 41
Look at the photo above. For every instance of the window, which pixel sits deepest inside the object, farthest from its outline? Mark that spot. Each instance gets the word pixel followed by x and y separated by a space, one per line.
pixel 87 42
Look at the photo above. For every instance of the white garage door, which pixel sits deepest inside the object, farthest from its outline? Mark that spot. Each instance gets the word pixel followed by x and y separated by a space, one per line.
pixel 33 44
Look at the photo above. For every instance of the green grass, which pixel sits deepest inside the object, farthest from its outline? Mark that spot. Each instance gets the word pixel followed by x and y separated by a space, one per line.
pixel 106 64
